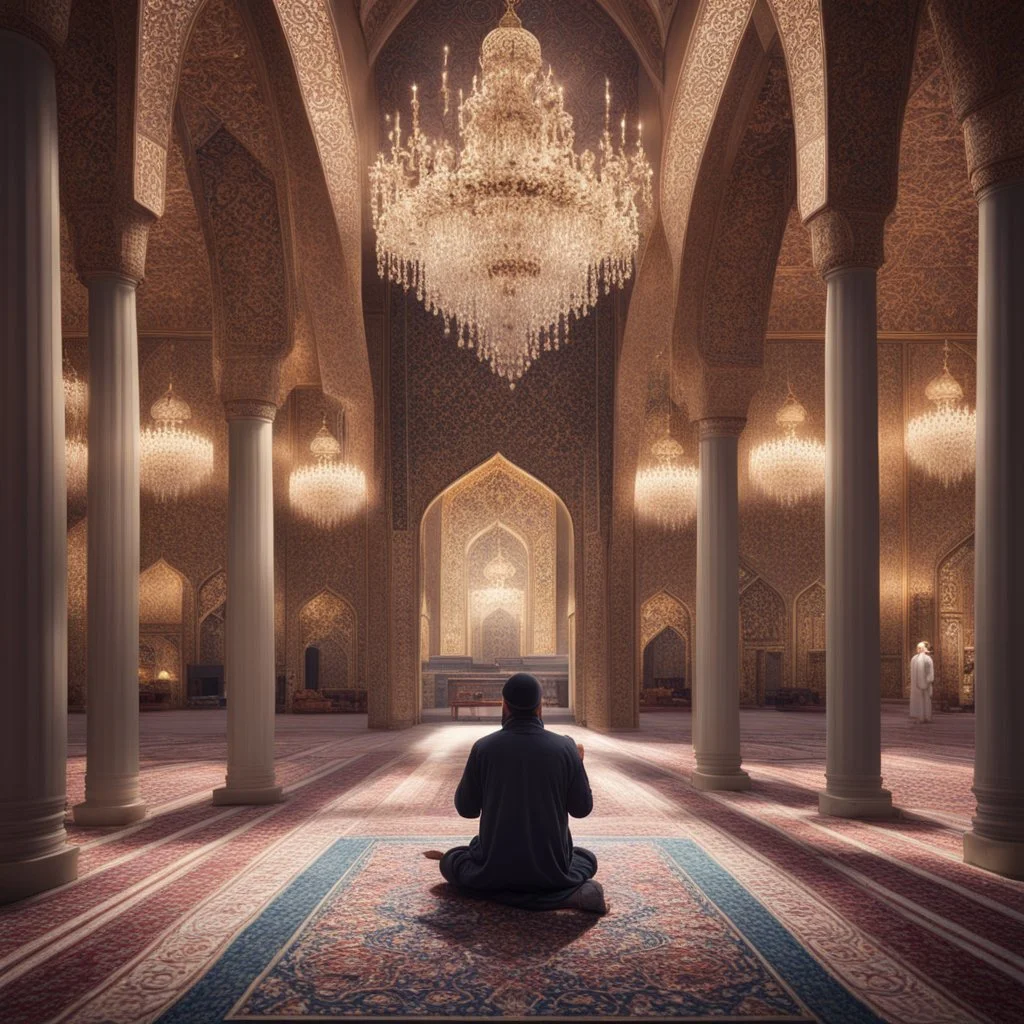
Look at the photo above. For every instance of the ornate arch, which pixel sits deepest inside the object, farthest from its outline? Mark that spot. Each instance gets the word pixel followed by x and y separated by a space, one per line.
pixel 763 630
pixel 953 644
pixel 809 637
pixel 659 612
pixel 329 621
pixel 519 552
pixel 164 607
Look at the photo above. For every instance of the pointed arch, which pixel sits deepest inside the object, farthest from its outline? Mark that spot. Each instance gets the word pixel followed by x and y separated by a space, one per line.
pixel 763 629
pixel 329 622
pixel 809 637
pixel 165 600
pixel 664 611
pixel 953 644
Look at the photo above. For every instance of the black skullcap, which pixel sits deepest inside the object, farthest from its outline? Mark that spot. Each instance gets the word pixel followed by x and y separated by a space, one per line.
pixel 522 692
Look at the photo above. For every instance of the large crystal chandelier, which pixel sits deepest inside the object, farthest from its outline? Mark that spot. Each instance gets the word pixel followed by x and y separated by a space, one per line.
pixel 76 415
pixel 498 593
pixel 789 468
pixel 329 490
pixel 507 232
pixel 941 441
pixel 173 461
pixel 666 489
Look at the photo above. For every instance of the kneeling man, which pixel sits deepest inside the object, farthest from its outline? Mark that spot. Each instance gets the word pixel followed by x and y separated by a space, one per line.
pixel 523 782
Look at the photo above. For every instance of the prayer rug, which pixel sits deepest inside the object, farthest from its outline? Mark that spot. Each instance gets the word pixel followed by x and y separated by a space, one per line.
pixel 368 931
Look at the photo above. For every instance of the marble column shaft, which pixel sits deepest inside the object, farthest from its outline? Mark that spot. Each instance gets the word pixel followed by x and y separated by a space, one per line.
pixel 716 699
pixel 112 701
pixel 853 641
pixel 250 664
pixel 34 854
pixel 997 840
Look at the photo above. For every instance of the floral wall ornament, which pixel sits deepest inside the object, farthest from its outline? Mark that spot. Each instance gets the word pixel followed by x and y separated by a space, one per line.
pixel 174 461
pixel 942 440
pixel 504 230
pixel 76 418
pixel 789 469
pixel 330 490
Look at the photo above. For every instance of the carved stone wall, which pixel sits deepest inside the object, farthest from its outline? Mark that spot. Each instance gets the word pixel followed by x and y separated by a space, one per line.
pixel 809 613
pixel 328 622
pixel 953 645
pixel 763 629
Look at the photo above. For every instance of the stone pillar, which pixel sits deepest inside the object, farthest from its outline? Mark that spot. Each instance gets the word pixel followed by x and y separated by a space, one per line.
pixel 716 697
pixel 249 668
pixel 997 840
pixel 112 794
pixel 34 854
pixel 848 251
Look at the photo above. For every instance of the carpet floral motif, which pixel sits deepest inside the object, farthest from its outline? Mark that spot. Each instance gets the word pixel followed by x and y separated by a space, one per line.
pixel 370 931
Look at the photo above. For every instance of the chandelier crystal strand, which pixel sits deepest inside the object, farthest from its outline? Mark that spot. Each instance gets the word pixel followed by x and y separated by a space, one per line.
pixel 942 441
pixel 789 469
pixel 76 418
pixel 174 462
pixel 508 233
pixel 329 490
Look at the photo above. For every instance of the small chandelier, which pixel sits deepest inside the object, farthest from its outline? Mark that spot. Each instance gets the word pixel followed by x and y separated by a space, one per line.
pixel 789 469
pixel 329 490
pixel 666 490
pixel 498 593
pixel 76 416
pixel 507 232
pixel 941 441
pixel 173 461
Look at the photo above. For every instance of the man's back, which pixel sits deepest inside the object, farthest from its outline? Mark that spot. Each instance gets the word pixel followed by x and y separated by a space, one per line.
pixel 524 782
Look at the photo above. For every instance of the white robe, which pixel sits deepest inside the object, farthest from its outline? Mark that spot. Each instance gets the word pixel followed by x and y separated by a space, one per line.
pixel 922 675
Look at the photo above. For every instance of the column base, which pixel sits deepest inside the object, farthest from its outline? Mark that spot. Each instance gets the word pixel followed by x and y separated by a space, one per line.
pixel 1001 856
pixel 877 805
pixel 92 815
pixel 23 878
pixel 733 781
pixel 230 795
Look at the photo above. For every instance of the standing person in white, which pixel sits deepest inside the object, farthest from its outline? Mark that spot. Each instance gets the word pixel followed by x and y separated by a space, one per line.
pixel 922 675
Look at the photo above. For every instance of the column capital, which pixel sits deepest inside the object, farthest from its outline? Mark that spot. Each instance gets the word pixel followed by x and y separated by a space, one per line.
pixel 43 23
pixel 994 141
pixel 847 238
pixel 250 409
pixel 721 426
pixel 110 241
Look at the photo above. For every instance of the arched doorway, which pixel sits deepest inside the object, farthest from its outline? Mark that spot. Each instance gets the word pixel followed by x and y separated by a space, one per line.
pixel 328 634
pixel 496 589
pixel 763 633
pixel 809 613
pixel 665 652
pixel 162 594
pixel 954 639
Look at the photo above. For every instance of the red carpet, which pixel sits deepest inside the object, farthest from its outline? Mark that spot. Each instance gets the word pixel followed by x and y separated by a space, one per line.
pixel 887 909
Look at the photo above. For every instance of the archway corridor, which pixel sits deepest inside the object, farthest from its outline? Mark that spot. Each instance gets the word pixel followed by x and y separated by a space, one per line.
pixel 159 909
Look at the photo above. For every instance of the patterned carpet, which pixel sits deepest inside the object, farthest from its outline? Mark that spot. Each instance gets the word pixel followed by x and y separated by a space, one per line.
pixel 741 906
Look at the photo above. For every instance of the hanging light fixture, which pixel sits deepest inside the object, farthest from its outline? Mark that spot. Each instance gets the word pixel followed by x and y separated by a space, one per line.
pixel 498 593
pixel 666 489
pixel 173 461
pixel 789 469
pixel 76 417
pixel 506 231
pixel 942 440
pixel 329 490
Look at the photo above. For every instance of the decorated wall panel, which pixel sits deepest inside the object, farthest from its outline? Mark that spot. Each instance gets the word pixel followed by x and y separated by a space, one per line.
pixel 498 493
pixel 328 622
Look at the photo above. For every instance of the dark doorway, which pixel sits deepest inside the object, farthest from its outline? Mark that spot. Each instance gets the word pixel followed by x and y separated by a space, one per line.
pixel 664 679
pixel 312 674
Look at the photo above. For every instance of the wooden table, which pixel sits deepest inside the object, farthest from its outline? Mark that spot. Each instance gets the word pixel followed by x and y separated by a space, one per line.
pixel 470 703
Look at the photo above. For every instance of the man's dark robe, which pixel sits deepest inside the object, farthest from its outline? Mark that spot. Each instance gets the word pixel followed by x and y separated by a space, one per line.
pixel 523 782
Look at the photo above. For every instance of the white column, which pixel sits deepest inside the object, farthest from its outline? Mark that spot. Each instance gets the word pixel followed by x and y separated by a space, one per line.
pixel 112 701
pixel 997 841
pixel 716 698
pixel 34 854
pixel 853 644
pixel 249 668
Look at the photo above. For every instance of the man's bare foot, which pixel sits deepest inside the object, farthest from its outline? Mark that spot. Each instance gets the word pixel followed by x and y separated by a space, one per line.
pixel 433 854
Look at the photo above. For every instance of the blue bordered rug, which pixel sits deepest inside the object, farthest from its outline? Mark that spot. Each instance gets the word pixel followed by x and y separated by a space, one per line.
pixel 369 931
